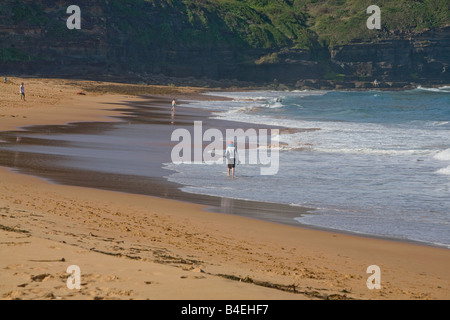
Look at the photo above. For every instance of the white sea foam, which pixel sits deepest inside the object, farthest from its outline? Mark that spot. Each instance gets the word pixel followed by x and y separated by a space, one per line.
pixel 439 123
pixel 369 151
pixel 265 95
pixel 274 105
pixel 443 155
pixel 363 152
pixel 440 89
pixel 445 171
pixel 341 137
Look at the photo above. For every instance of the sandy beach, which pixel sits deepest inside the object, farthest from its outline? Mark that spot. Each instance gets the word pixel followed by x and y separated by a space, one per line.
pixel 131 246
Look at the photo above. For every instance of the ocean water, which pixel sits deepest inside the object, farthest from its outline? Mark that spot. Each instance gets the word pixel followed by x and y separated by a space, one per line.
pixel 376 163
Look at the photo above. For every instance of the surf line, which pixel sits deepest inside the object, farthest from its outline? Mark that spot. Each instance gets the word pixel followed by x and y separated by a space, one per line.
pixel 258 146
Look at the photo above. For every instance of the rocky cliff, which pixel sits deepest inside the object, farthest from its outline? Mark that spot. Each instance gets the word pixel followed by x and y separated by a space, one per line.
pixel 421 58
pixel 182 41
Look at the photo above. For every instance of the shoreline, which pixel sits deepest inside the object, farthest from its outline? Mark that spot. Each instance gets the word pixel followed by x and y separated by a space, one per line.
pixel 226 85
pixel 249 208
pixel 264 257
pixel 46 164
pixel 331 266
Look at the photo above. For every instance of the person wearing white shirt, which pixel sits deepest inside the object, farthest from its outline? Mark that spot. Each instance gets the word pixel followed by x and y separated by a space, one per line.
pixel 232 157
pixel 22 92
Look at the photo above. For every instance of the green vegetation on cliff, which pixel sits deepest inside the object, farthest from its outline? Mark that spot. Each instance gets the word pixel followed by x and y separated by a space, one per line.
pixel 227 39
pixel 339 22
pixel 253 23
pixel 258 24
pixel 272 24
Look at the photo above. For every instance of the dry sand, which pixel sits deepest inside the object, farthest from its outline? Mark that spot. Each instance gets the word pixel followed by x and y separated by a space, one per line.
pixel 139 247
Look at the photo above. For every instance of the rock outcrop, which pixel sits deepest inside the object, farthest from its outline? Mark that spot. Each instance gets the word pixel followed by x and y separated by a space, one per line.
pixel 34 40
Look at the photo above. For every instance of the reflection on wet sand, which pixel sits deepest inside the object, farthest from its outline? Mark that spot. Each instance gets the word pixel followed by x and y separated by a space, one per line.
pixel 116 156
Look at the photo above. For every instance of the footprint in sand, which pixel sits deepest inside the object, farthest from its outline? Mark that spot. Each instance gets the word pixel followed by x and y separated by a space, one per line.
pixel 14 266
pixel 193 277
pixel 15 244
pixel 41 277
pixel 14 295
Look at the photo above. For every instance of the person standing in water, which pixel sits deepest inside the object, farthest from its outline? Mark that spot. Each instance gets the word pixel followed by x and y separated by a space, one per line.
pixel 22 92
pixel 232 157
pixel 172 113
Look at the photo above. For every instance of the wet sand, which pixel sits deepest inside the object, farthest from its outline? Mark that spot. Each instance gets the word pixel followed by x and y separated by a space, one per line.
pixel 134 246
pixel 151 111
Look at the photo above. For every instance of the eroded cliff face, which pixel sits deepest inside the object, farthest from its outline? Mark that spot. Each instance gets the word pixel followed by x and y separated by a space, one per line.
pixel 34 40
pixel 420 58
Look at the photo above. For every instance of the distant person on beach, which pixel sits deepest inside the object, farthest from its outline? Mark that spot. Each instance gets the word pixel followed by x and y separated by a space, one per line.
pixel 6 80
pixel 375 83
pixel 22 92
pixel 232 157
pixel 174 103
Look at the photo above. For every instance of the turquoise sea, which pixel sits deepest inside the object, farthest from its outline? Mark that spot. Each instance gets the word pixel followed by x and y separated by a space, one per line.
pixel 378 163
pixel 374 162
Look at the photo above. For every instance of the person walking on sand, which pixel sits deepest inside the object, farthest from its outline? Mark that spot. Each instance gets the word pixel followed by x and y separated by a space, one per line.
pixel 232 157
pixel 174 103
pixel 22 92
